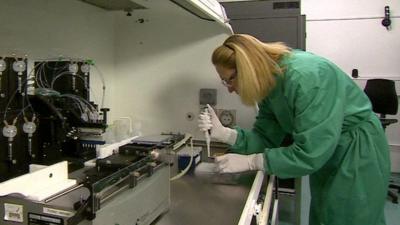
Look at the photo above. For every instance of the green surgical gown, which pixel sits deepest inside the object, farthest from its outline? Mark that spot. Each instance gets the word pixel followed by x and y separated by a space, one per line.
pixel 337 140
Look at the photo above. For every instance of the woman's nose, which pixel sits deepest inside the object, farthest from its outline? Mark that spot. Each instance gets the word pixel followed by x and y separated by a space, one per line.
pixel 231 89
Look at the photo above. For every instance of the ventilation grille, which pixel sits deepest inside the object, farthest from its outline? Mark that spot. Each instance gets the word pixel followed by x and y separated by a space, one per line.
pixel 115 5
pixel 286 5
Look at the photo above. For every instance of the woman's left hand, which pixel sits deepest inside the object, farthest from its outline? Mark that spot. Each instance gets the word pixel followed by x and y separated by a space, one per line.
pixel 234 163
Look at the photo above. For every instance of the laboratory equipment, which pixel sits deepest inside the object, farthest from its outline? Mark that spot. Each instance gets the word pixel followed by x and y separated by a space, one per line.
pixel 185 155
pixel 70 125
pixel 85 68
pixel 3 67
pixel 73 69
pixel 29 128
pixel 10 131
pixel 123 187
pixel 19 66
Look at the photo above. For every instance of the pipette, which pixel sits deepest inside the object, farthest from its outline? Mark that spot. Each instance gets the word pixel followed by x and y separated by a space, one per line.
pixel 207 135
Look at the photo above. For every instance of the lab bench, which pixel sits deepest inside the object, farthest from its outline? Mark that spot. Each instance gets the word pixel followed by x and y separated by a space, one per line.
pixel 198 199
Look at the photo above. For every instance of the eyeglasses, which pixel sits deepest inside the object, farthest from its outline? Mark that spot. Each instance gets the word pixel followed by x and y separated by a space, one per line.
pixel 228 82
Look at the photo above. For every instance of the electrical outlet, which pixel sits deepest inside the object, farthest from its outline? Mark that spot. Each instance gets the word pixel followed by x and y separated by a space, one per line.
pixel 227 117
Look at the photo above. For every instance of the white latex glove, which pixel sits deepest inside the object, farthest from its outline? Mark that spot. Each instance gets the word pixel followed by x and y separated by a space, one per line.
pixel 210 121
pixel 234 163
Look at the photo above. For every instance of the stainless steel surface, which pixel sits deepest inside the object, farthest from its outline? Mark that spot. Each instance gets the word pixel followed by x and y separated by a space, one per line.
pixel 51 198
pixel 197 202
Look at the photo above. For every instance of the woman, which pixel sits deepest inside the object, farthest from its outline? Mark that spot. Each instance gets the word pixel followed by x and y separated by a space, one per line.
pixel 337 139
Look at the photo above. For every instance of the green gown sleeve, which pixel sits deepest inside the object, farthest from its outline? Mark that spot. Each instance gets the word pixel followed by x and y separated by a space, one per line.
pixel 317 100
pixel 266 133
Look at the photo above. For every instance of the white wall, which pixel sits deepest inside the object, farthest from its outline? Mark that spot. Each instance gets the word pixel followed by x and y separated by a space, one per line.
pixel 43 29
pixel 350 34
pixel 161 65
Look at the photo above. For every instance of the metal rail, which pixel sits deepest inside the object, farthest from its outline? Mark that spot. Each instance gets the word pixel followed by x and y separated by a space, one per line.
pixel 267 202
pixel 248 211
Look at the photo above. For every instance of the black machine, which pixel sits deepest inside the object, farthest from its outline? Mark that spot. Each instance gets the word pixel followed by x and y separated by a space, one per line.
pixel 47 114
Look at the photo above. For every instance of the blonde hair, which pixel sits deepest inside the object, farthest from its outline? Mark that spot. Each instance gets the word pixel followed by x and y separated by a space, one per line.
pixel 256 64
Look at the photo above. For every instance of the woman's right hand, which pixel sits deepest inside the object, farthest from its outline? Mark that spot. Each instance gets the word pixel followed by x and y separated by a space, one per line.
pixel 208 121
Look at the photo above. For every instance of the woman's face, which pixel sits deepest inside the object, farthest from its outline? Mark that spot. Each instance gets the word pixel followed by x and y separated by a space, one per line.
pixel 228 78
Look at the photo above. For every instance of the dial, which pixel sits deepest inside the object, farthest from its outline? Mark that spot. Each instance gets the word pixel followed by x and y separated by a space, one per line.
pixel 85 68
pixel 3 65
pixel 19 66
pixel 73 68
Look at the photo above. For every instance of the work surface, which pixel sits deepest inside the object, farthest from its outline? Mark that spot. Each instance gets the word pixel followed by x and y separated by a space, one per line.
pixel 197 201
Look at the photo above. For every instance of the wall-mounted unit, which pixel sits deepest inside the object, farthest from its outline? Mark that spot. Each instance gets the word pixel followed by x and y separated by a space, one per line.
pixel 277 20
pixel 210 10
pixel 206 9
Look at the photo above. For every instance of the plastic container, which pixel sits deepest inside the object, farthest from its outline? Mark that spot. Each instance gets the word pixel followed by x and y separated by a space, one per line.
pixel 184 156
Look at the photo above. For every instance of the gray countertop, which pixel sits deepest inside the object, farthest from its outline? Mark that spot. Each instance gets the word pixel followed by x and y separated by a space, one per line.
pixel 198 201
